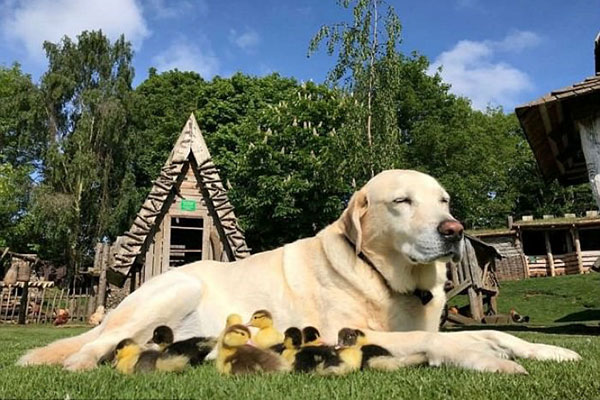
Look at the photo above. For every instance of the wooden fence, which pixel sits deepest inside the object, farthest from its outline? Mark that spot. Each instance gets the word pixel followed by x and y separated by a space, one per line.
pixel 39 302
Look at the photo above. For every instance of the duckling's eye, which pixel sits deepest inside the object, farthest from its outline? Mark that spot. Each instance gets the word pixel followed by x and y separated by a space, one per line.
pixel 445 200
pixel 403 200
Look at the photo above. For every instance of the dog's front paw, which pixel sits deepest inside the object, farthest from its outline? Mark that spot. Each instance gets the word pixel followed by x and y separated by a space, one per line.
pixel 546 352
pixel 80 362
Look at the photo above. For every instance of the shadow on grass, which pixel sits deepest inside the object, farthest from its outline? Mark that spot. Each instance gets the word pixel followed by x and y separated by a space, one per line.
pixel 586 315
pixel 566 329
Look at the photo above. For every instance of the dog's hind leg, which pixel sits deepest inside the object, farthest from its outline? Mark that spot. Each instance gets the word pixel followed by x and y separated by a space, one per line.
pixel 167 300
pixel 56 352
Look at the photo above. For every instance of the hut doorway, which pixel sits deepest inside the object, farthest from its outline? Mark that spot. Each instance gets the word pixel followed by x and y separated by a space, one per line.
pixel 187 238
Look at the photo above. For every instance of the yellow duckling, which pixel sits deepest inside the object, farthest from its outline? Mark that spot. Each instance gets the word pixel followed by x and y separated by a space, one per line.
pixel 237 357
pixel 233 319
pixel 130 358
pixel 375 356
pixel 267 336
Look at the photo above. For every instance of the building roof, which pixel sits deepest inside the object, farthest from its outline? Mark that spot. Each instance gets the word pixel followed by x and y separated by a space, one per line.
pixel 557 222
pixel 190 145
pixel 549 124
pixel 549 223
pixel 490 250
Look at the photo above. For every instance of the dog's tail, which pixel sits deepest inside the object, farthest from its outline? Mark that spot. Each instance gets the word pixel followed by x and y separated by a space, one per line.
pixel 57 351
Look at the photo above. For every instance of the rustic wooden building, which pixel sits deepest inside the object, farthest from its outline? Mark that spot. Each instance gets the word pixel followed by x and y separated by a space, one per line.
pixel 546 247
pixel 186 216
pixel 513 264
pixel 563 130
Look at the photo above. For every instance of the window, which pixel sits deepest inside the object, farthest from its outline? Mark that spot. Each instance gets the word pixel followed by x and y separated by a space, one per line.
pixel 560 241
pixel 533 243
pixel 589 239
pixel 186 240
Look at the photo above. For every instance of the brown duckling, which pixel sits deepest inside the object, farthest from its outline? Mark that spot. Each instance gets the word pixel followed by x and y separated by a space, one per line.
pixel 237 357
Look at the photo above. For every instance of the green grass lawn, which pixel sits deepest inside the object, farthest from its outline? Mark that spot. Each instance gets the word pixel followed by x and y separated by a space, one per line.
pixel 545 300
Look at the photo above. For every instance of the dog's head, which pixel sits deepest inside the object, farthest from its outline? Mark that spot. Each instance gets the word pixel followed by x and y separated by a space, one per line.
pixel 405 212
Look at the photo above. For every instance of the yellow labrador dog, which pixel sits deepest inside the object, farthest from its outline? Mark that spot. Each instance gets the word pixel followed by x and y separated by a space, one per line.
pixel 380 267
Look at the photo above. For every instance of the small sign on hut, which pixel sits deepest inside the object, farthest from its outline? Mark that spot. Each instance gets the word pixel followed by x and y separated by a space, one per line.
pixel 186 217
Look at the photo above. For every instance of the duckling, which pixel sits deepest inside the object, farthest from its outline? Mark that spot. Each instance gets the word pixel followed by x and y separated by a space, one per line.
pixel 233 319
pixel 292 340
pixel 311 336
pixel 237 357
pixel 130 358
pixel 267 336
pixel 195 348
pixel 374 356
pixel 309 356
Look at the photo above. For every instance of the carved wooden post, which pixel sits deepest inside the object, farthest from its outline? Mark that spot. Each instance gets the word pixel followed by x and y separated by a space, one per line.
pixel 102 283
pixel 589 132
pixel 24 304
pixel 550 258
pixel 575 233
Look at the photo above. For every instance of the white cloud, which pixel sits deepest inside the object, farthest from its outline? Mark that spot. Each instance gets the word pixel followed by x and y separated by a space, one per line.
pixel 163 9
pixel 247 41
pixel 186 57
pixel 31 22
pixel 473 70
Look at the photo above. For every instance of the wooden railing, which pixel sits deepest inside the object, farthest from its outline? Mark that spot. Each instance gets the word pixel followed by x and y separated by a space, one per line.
pixel 40 302
pixel 564 264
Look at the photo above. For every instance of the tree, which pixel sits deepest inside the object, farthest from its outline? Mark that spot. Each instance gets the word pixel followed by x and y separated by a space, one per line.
pixel 286 182
pixel 85 91
pixel 22 146
pixel 361 45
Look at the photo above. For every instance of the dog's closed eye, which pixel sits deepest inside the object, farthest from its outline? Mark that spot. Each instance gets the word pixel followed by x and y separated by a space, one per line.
pixel 403 200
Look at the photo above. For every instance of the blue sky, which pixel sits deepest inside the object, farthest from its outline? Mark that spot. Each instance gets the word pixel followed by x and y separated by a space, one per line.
pixel 494 52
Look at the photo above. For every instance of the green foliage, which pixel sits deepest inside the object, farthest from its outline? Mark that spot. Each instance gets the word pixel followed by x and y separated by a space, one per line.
pixel 86 91
pixel 22 131
pixel 287 168
pixel 15 189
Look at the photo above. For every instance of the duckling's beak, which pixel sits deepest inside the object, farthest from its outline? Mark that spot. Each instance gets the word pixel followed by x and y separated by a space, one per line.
pixel 251 343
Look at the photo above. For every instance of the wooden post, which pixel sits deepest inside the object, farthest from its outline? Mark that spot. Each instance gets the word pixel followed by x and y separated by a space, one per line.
pixel 8 301
pixel 575 233
pixel 50 310
pixel 519 247
pixel 476 305
pixel 550 258
pixel 102 283
pixel 23 305
pixel 589 132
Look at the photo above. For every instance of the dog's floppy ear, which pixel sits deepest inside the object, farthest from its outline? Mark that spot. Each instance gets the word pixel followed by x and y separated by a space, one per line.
pixel 357 207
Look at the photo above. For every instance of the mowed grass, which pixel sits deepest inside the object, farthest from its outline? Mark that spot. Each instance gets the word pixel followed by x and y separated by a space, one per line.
pixel 546 380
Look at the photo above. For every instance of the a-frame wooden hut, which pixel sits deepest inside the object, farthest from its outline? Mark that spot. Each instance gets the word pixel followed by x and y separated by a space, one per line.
pixel 185 218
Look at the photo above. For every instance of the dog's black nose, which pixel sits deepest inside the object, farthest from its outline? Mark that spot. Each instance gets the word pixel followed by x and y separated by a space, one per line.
pixel 451 230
